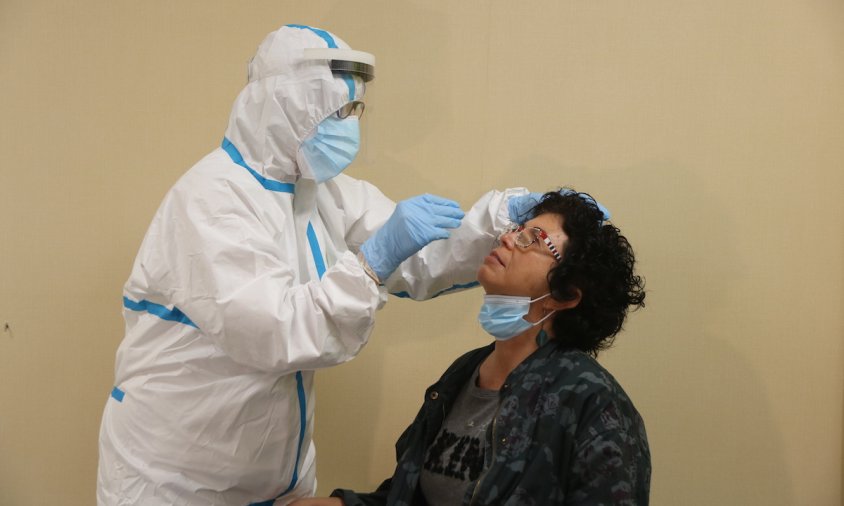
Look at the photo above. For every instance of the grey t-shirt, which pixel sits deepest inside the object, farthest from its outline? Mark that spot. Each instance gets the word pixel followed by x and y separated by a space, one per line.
pixel 456 457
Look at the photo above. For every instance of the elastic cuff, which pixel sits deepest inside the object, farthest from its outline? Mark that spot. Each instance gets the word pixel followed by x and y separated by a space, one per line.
pixel 367 269
pixel 505 214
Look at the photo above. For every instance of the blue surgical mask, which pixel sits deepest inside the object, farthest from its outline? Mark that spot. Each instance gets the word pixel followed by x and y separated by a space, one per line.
pixel 503 316
pixel 331 149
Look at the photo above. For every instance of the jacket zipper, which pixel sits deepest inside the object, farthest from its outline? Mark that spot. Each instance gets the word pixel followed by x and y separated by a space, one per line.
pixel 492 457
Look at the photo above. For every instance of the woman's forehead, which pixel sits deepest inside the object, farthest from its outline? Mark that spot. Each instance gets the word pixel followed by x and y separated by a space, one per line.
pixel 551 223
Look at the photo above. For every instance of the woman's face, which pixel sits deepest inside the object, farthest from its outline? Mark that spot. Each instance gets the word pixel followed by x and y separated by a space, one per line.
pixel 513 270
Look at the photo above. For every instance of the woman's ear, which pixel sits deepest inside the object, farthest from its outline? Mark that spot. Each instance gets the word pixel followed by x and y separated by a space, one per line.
pixel 571 302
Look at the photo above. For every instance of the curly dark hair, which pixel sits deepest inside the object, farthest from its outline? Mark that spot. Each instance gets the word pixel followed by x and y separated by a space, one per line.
pixel 599 261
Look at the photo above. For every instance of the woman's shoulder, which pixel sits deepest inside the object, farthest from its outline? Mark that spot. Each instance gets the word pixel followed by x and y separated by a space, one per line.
pixel 577 373
pixel 595 390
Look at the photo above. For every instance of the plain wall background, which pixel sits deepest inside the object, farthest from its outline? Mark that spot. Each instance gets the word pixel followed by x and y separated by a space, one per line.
pixel 714 131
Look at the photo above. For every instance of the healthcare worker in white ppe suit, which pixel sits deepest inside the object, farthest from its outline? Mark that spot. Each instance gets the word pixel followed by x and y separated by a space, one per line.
pixel 262 264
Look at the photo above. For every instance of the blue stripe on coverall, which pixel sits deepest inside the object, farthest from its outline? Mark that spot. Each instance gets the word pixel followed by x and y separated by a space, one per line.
pixel 176 315
pixel 473 284
pixel 269 184
pixel 278 186
pixel 170 315
pixel 333 45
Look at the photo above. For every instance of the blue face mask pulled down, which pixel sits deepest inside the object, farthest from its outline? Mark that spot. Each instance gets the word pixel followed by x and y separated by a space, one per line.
pixel 503 316
pixel 332 148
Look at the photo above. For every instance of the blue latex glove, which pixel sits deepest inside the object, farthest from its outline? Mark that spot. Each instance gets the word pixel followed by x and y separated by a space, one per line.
pixel 520 207
pixel 415 222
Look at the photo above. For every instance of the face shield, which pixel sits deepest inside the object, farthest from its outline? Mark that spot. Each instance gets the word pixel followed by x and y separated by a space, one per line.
pixel 336 141
pixel 345 61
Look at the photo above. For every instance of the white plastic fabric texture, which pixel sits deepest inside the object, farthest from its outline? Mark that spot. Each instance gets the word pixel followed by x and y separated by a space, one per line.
pixel 245 283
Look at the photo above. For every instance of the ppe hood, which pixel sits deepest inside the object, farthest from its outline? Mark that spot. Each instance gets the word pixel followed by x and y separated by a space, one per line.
pixel 287 96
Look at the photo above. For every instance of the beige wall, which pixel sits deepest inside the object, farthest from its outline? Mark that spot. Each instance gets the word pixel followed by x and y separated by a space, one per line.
pixel 714 131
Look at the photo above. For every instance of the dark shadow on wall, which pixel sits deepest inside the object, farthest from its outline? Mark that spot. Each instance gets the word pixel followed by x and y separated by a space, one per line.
pixel 706 392
pixel 713 436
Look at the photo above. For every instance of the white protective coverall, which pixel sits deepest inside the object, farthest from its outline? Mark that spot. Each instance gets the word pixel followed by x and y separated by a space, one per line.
pixel 246 282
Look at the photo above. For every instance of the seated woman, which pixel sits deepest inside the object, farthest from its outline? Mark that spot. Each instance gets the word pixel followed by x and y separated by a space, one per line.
pixel 533 418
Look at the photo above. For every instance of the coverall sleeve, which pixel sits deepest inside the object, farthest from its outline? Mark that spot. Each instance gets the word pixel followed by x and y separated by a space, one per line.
pixel 227 272
pixel 441 266
pixel 452 264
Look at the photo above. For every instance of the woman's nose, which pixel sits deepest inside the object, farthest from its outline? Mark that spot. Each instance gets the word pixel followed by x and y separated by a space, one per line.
pixel 507 239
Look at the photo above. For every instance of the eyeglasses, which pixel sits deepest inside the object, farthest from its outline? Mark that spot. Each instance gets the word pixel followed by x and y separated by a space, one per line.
pixel 354 107
pixel 525 236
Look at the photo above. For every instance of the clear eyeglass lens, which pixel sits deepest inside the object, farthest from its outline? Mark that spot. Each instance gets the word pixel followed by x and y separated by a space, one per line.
pixel 526 237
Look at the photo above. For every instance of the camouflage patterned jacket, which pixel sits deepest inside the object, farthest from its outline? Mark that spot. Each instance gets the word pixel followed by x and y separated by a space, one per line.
pixel 564 433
